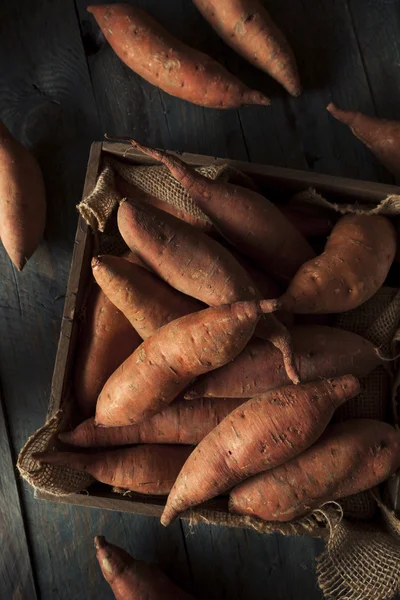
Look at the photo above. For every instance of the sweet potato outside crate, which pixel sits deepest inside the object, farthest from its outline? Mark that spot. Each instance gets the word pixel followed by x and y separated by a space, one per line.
pixel 362 554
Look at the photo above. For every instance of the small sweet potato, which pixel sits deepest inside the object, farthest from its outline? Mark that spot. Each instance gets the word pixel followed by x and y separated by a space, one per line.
pixel 164 364
pixel 183 422
pixel 146 301
pixel 320 352
pixel 145 469
pixel 106 339
pixel 246 219
pixel 132 579
pixel 352 268
pixel 262 433
pixel 22 199
pixel 348 458
pixel 247 27
pixel 154 54
pixel 381 136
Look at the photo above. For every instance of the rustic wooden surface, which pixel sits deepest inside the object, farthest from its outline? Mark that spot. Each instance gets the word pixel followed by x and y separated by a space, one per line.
pixel 62 87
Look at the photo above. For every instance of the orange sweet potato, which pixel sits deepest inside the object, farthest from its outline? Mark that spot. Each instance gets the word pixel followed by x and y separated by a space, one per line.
pixel 320 352
pixel 145 469
pixel 146 301
pixel 247 27
pixel 246 219
pixel 381 136
pixel 132 579
pixel 348 458
pixel 154 54
pixel 22 199
pixel 352 268
pixel 260 434
pixel 105 340
pixel 165 363
pixel 183 422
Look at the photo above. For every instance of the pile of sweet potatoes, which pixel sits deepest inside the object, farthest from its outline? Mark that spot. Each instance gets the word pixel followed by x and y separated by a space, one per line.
pixel 194 377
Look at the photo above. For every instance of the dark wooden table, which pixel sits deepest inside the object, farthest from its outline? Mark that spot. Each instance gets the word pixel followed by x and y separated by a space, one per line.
pixel 61 88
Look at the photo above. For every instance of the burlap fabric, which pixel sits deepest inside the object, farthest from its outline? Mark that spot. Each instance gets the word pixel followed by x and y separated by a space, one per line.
pixel 362 559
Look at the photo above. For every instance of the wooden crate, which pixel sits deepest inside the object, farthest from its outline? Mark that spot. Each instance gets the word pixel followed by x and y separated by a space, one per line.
pixel 282 181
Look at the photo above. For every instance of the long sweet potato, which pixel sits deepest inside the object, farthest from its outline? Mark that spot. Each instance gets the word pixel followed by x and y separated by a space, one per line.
pixel 106 339
pixel 353 266
pixel 197 265
pixel 260 434
pixel 320 352
pixel 348 458
pixel 246 219
pixel 132 579
pixel 146 301
pixel 146 469
pixel 247 27
pixel 165 363
pixel 154 54
pixel 381 136
pixel 182 422
pixel 22 199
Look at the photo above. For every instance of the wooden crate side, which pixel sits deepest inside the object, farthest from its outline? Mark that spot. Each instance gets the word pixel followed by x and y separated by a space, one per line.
pixel 77 283
pixel 276 177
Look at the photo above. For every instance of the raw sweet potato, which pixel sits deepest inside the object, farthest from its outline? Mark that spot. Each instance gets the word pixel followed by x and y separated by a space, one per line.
pixel 352 268
pixel 146 301
pixel 348 458
pixel 154 54
pixel 146 469
pixel 165 363
pixel 197 265
pixel 182 422
pixel 247 27
pixel 320 352
pixel 246 219
pixel 381 136
pixel 22 199
pixel 105 340
pixel 132 579
pixel 260 434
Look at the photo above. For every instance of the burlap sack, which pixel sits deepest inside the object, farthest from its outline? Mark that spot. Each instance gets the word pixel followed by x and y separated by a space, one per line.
pixel 362 559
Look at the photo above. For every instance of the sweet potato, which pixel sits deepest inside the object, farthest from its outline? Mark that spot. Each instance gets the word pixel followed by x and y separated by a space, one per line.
pixel 320 352
pixel 105 340
pixel 182 422
pixel 381 136
pixel 146 301
pixel 197 265
pixel 165 363
pixel 154 54
pixel 132 579
pixel 247 27
pixel 146 469
pixel 352 268
pixel 348 458
pixel 260 434
pixel 22 199
pixel 246 219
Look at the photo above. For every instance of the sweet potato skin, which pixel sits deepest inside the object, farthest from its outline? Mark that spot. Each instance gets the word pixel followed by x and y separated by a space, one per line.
pixel 320 352
pixel 348 458
pixel 146 301
pixel 183 422
pixel 22 199
pixel 154 54
pixel 353 266
pixel 260 434
pixel 164 364
pixel 132 579
pixel 247 27
pixel 145 469
pixel 105 340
